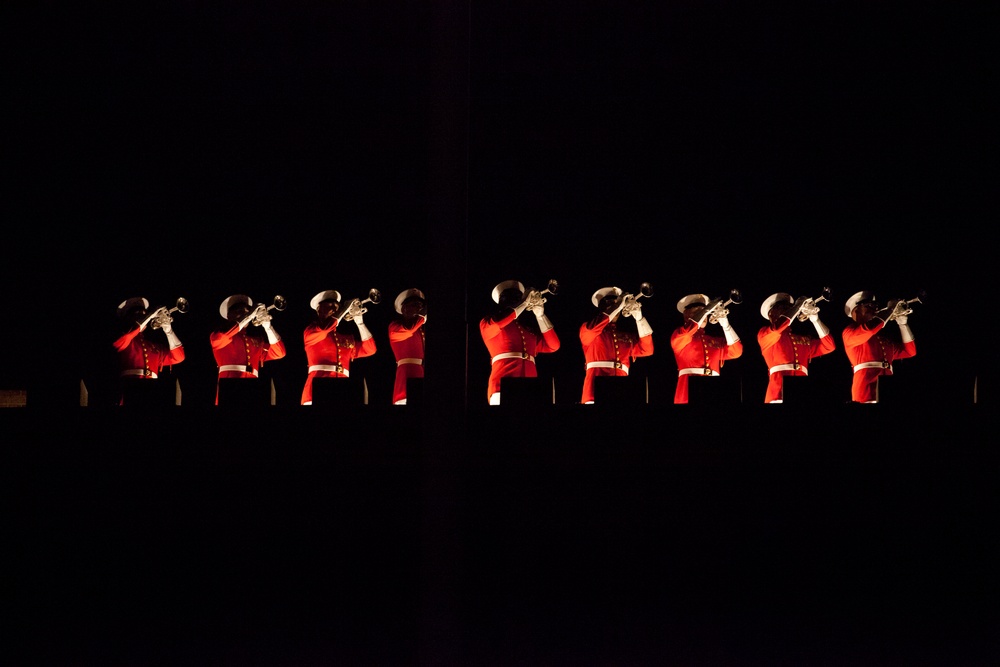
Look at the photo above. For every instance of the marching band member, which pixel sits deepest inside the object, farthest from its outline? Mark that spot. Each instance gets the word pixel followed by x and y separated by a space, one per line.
pixel 406 337
pixel 870 351
pixel 606 349
pixel 786 353
pixel 139 356
pixel 328 352
pixel 696 352
pixel 238 352
pixel 512 344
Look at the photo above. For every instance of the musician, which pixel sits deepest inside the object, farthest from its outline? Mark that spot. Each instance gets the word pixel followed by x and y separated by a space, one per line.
pixel 512 342
pixel 695 351
pixel 328 351
pixel 870 351
pixel 609 351
pixel 406 337
pixel 787 353
pixel 139 356
pixel 239 350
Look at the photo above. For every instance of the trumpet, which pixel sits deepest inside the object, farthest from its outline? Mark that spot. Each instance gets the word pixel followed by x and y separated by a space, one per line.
pixel 901 307
pixel 536 298
pixel 162 316
pixel 809 304
pixel 349 313
pixel 717 307
pixel 631 301
pixel 261 314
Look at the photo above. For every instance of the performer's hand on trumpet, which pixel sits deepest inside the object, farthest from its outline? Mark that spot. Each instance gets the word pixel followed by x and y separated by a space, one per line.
pixel 157 315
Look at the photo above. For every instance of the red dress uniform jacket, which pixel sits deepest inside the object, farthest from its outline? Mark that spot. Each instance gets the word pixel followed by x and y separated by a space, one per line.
pixel 326 347
pixel 135 353
pixel 875 352
pixel 506 336
pixel 236 348
pixel 408 347
pixel 781 347
pixel 603 342
pixel 699 354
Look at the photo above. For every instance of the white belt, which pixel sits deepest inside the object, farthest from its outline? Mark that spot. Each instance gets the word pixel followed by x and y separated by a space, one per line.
pixel 873 364
pixel 607 364
pixel 708 372
pixel 410 360
pixel 335 368
pixel 512 355
pixel 238 368
pixel 788 367
pixel 140 372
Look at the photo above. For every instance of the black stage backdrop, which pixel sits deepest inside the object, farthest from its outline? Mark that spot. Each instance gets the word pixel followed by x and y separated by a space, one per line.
pixel 199 150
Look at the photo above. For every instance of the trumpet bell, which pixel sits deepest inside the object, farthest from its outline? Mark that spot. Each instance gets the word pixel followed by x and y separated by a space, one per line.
pixel 182 305
pixel 553 287
pixel 646 290
pixel 374 296
pixel 735 296
pixel 280 302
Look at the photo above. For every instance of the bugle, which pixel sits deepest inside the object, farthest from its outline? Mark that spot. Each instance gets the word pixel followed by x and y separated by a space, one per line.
pixel 631 301
pixel 807 305
pixel 162 315
pixel 717 307
pixel 374 296
pixel 535 298
pixel 901 307
pixel 261 313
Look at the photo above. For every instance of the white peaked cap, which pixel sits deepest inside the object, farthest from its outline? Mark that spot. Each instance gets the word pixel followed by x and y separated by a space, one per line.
pixel 603 292
pixel 689 299
pixel 765 308
pixel 327 295
pixel 504 286
pixel 234 300
pixel 855 299
pixel 406 294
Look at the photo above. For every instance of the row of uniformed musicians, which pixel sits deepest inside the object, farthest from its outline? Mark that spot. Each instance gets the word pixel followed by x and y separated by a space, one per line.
pixel 518 330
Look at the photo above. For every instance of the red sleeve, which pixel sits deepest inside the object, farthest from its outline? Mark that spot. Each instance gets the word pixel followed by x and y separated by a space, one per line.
pixel 221 339
pixel 682 336
pixel 589 331
pixel 397 332
pixel 859 335
pixel 126 339
pixel 365 349
pixel 549 342
pixel 491 328
pixel 314 334
pixel 768 337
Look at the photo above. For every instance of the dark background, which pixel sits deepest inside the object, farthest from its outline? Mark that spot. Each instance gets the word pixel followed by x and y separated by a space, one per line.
pixel 204 150
pixel 198 150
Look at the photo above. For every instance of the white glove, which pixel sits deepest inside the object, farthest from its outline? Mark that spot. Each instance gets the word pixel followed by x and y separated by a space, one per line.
pixel 172 338
pixel 359 320
pixel 821 328
pixel 519 308
pixel 543 322
pixel 902 319
pixel 152 316
pixel 636 313
pixel 167 329
pixel 272 335
pixel 703 320
pixel 245 322
pixel 362 329
pixel 727 329
pixel 643 328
